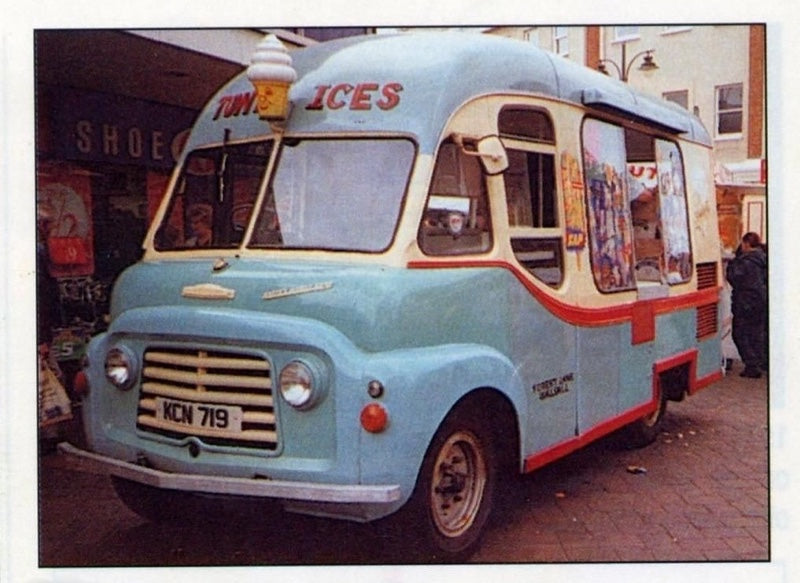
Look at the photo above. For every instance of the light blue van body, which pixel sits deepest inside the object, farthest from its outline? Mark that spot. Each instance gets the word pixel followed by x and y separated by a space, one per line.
pixel 430 336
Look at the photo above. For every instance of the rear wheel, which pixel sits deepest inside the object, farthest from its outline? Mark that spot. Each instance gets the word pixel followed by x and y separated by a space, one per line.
pixel 645 430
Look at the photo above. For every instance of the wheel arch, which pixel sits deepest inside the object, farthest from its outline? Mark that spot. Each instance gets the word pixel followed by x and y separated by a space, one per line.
pixel 675 382
pixel 461 475
pixel 503 418
pixel 419 400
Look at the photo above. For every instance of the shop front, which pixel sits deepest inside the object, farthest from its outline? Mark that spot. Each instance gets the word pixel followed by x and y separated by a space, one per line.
pixel 741 208
pixel 103 162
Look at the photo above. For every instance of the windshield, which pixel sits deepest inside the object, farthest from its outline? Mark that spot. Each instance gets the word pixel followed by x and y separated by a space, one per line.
pixel 335 194
pixel 342 194
pixel 214 197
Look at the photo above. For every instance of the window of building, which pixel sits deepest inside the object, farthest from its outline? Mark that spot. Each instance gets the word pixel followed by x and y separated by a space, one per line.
pixel 531 193
pixel 531 35
pixel 638 219
pixel 456 219
pixel 679 97
pixel 729 110
pixel 561 40
pixel 626 32
pixel 327 33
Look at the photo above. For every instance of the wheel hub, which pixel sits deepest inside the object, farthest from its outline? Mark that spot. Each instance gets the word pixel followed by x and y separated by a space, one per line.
pixel 457 493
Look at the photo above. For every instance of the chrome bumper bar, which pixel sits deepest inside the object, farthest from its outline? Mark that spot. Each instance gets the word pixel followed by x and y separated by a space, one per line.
pixel 263 488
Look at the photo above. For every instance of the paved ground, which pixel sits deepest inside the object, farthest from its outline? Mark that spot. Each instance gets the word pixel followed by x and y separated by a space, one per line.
pixel 704 496
pixel 700 493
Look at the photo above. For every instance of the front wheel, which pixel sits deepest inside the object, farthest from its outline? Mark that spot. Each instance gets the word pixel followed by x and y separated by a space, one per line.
pixel 452 500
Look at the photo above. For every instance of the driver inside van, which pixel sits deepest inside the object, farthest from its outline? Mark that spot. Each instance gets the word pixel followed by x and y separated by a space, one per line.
pixel 200 224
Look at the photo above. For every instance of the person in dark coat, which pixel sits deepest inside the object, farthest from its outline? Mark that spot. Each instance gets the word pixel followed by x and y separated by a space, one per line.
pixel 747 274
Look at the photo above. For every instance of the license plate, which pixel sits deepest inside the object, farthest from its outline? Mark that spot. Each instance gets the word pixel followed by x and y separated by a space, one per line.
pixel 206 416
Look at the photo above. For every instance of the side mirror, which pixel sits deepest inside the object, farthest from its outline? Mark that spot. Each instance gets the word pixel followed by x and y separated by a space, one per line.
pixel 488 148
pixel 493 155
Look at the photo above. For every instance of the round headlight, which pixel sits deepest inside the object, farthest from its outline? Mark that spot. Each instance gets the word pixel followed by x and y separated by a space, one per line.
pixel 297 384
pixel 120 368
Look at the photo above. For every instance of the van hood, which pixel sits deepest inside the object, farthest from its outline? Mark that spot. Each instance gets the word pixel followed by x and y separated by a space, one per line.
pixel 377 307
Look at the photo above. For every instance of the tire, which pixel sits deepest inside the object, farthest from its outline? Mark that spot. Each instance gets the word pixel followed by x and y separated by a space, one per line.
pixel 645 430
pixel 152 504
pixel 453 496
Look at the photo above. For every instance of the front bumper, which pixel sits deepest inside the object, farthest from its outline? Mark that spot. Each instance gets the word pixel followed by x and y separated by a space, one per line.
pixel 262 488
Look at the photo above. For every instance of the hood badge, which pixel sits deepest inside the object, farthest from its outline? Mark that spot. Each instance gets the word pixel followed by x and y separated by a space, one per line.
pixel 295 291
pixel 220 264
pixel 208 291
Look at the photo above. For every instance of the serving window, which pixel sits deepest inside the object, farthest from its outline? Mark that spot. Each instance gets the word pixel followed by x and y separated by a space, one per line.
pixel 638 221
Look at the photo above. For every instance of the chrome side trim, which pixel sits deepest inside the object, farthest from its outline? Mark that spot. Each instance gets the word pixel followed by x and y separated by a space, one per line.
pixel 263 488
pixel 208 291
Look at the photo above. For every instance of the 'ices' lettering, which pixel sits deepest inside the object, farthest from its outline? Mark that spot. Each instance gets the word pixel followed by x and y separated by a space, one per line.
pixel 356 97
pixel 359 97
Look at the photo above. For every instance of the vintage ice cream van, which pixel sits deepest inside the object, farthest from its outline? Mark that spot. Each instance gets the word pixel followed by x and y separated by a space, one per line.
pixel 391 271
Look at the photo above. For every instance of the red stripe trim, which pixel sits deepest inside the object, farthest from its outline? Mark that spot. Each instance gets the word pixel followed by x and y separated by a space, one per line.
pixel 578 315
pixel 559 450
pixel 686 357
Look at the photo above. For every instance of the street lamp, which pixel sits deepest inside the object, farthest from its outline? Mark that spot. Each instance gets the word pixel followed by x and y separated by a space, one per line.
pixel 623 70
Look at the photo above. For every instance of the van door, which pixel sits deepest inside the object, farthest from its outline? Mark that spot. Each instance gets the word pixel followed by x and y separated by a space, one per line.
pixel 543 345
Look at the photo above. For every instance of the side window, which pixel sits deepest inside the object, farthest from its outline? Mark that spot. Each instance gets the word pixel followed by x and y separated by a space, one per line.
pixel 648 231
pixel 658 209
pixel 639 225
pixel 610 228
pixel 531 189
pixel 456 219
pixel 674 212
pixel 531 194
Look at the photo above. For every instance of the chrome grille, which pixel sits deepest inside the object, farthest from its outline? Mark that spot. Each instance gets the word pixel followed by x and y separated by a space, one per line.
pixel 209 380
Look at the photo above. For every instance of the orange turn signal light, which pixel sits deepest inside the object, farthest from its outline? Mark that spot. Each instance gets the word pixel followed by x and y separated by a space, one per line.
pixel 374 418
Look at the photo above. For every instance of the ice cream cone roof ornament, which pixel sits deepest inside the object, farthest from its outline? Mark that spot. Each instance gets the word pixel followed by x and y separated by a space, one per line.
pixel 272 75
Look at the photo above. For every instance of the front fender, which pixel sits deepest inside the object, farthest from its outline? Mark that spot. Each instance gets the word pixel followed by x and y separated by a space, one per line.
pixel 421 387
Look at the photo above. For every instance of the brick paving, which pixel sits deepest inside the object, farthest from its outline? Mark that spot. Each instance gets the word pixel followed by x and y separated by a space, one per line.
pixel 703 496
